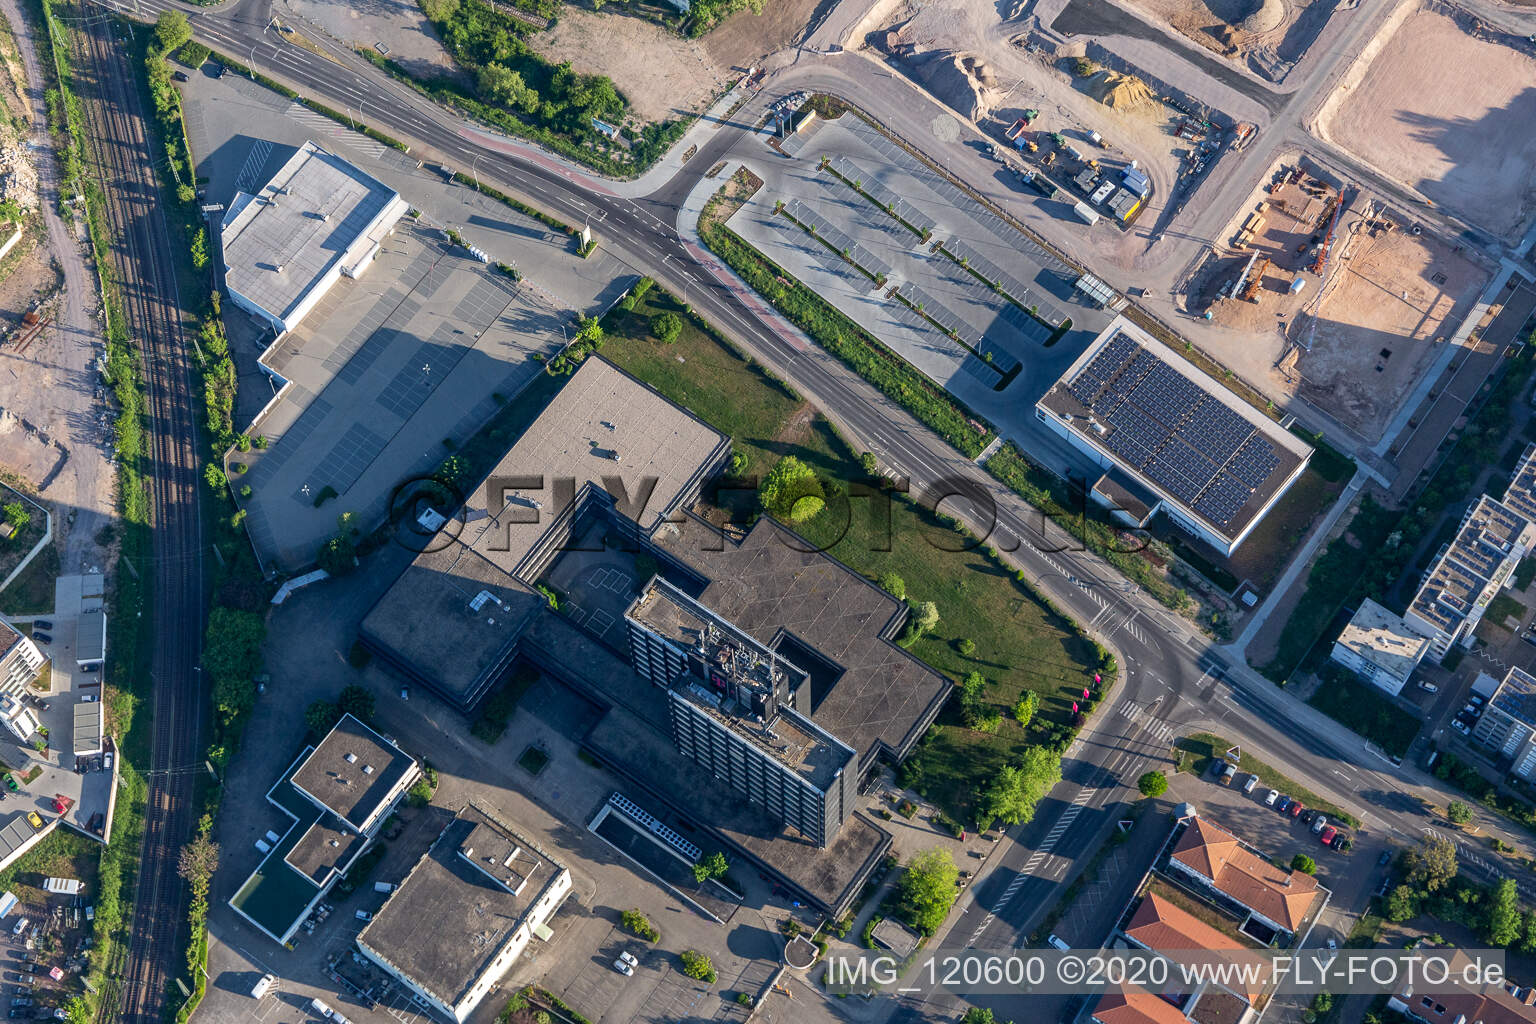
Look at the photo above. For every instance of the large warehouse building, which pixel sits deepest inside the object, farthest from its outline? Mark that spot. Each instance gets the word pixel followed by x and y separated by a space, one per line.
pixel 317 219
pixel 1149 417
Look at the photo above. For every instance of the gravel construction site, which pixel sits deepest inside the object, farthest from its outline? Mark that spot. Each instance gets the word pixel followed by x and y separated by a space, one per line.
pixel 964 56
pixel 1352 340
pixel 1445 105
pixel 1268 37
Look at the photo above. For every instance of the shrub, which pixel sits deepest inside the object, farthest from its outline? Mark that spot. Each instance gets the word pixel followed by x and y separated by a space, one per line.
pixel 792 492
pixel 665 327
pixel 967 647
pixel 1301 862
pixel 639 925
pixel 894 585
pixel 697 966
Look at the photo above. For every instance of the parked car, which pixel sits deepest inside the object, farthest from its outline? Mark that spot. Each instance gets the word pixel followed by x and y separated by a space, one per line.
pixel 1476 700
pixel 178 76
pixel 629 958
pixel 1253 780
pixel 1318 824
pixel 1428 687
pixel 42 638
pixel 41 624
pixel 624 968
pixel 11 783
pixel 1271 797
pixel 1217 765
pixel 1461 727
pixel 1341 842
pixel 1283 804
pixel 1296 809
pixel 1384 859
pixel 1058 944
pixel 1327 837
pixel 1226 775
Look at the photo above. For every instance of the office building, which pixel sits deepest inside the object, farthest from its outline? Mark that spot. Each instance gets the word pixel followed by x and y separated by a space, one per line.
pixel 336 796
pixel 1210 857
pixel 1380 647
pixel 468 909
pixel 732 705
pixel 1508 722
pixel 1468 573
pixel 1214 465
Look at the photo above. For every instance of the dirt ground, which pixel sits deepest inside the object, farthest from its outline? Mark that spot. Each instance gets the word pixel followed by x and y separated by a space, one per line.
pixel 1266 37
pixel 663 76
pixel 1447 109
pixel 1391 304
pixel 398 24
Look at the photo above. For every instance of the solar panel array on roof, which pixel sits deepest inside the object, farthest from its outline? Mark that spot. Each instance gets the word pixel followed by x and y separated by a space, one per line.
pixel 1167 427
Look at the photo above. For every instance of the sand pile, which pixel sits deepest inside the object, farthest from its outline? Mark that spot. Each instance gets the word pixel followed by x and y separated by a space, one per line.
pixel 1266 19
pixel 18 177
pixel 1122 92
pixel 962 81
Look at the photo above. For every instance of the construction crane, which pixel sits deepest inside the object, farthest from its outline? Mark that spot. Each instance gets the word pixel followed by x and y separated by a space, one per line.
pixel 1254 278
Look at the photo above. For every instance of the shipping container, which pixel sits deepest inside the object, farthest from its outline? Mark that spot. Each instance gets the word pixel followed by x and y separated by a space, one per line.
pixel 1085 213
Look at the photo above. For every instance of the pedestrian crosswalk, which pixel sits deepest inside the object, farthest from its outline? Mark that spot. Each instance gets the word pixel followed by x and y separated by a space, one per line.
pixel 324 126
pixel 1043 851
pixel 1153 726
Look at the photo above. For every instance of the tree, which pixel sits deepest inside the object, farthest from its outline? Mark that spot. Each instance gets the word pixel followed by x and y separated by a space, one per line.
pixel 338 556
pixel 1528 940
pixel 638 924
pixel 321 716
pixel 967 646
pixel 1301 862
pixel 981 1015
pixel 927 890
pixel 1503 926
pixel 925 616
pixel 1153 783
pixel 665 327
pixel 172 30
pixel 1432 866
pixel 1403 904
pixel 1024 710
pixel 501 85
pixel 356 701
pixel 199 246
pixel 17 515
pixel 1458 812
pixel 709 867
pixel 894 585
pixel 1016 788
pixel 215 476
pixel 198 861
pixel 791 491
pixel 76 1012
pixel 697 965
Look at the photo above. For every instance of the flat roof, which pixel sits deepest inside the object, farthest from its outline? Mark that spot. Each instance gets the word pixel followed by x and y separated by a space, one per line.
pixel 1175 429
pixel 17 836
pixel 774 584
pixel 86 737
pixel 323 848
pixel 1384 639
pixel 604 429
pixel 1470 564
pixel 447 922
pixel 1520 495
pixel 429 621
pixel 352 771
pixel 1516 696
pixel 279 243
pixel 634 737
pixel 91 635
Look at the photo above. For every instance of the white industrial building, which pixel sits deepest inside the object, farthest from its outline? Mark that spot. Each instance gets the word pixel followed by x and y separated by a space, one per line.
pixel 286 245
pixel 1380 647
pixel 1159 426
pixel 466 912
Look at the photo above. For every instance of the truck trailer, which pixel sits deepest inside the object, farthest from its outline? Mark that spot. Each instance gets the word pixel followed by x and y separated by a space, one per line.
pixel 1085 213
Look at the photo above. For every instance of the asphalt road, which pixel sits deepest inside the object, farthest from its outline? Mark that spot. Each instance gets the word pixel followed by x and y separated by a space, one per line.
pixel 1164 659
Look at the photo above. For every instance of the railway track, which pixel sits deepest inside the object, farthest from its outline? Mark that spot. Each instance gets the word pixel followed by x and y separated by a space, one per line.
pixel 122 158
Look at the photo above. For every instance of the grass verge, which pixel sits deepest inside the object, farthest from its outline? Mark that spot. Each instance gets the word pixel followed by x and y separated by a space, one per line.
pixel 1207 747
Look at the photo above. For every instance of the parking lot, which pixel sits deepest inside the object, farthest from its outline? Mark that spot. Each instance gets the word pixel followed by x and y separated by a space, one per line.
pixel 310 634
pixel 962 278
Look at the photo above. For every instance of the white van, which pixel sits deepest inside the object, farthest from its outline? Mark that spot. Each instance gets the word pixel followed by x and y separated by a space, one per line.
pixel 263 846
pixel 21 926
pixel 263 986
pixel 1054 941
pixel 318 1005
pixel 383 887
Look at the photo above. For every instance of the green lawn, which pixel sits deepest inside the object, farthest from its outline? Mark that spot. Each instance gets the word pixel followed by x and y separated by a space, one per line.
pixel 1361 707
pixel 1020 644
pixel 1205 746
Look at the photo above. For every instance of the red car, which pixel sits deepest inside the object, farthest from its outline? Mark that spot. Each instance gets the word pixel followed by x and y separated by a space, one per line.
pixel 1328 834
pixel 1296 809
